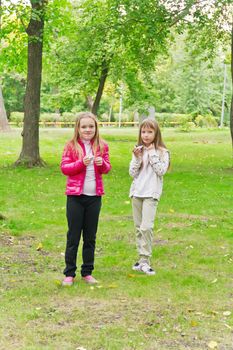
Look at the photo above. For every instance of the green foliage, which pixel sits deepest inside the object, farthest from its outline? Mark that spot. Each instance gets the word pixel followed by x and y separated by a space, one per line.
pixel 206 121
pixel 187 126
pixel 13 86
pixel 17 118
pixel 13 51
pixel 127 39
pixel 175 74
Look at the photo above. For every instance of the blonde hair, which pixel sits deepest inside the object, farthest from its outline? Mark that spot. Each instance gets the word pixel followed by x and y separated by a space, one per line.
pixel 97 142
pixel 152 124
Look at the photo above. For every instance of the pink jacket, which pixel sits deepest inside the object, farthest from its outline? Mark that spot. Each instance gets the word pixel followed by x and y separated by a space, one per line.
pixel 73 167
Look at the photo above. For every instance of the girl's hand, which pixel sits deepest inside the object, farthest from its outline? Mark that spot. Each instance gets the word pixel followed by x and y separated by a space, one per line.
pixel 137 151
pixel 98 161
pixel 86 160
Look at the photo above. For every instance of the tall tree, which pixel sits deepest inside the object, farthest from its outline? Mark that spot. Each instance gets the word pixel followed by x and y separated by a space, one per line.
pixel 30 155
pixel 113 39
pixel 4 125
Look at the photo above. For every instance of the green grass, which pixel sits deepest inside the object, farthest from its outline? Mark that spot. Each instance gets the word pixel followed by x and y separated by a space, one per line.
pixel 185 306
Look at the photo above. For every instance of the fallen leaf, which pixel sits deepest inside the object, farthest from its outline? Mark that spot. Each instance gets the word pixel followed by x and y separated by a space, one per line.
pixel 214 281
pixel 39 247
pixel 212 345
pixel 131 330
pixel 226 313
pixel 178 329
pixel 131 275
pixel 199 313
pixel 227 326
pixel 58 283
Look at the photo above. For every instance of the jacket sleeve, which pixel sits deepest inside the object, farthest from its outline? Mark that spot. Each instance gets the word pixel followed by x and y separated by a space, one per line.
pixel 106 166
pixel 134 166
pixel 159 161
pixel 70 166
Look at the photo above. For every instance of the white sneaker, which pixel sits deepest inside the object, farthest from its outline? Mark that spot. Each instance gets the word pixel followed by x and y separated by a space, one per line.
pixel 144 267
pixel 136 266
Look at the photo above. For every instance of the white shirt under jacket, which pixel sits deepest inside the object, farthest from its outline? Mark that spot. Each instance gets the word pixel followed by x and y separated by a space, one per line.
pixel 89 187
pixel 147 172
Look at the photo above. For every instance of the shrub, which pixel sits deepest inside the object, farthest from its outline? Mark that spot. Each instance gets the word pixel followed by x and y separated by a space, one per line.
pixel 17 118
pixel 50 117
pixel 210 121
pixel 172 119
pixel 67 118
pixel 187 126
pixel 207 121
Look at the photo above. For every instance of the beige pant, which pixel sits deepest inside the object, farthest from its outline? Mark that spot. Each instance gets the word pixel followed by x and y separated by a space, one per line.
pixel 144 210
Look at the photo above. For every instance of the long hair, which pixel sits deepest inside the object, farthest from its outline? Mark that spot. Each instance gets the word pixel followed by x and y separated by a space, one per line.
pixel 152 124
pixel 97 141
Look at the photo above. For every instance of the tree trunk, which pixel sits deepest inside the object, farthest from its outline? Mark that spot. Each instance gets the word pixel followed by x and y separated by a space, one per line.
pixel 4 126
pixel 30 155
pixel 103 77
pixel 231 113
pixel 89 102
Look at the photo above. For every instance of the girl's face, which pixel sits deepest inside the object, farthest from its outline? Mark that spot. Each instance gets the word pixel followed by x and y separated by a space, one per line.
pixel 147 135
pixel 87 129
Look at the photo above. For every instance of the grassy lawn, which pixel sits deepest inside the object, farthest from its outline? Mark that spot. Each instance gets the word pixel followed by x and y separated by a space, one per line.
pixel 186 305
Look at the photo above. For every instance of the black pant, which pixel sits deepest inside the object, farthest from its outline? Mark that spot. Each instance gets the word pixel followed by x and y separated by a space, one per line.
pixel 82 216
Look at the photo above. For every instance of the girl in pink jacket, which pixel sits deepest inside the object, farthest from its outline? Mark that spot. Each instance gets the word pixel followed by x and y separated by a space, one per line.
pixel 84 160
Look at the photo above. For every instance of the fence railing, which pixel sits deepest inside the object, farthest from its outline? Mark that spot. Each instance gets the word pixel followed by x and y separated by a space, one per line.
pixel 71 124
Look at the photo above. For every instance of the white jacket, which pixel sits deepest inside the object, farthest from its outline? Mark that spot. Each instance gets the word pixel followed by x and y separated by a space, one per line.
pixel 147 172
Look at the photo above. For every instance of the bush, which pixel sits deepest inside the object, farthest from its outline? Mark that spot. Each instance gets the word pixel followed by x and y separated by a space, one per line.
pixel 187 126
pixel 50 117
pixel 67 118
pixel 207 121
pixel 172 119
pixel 17 118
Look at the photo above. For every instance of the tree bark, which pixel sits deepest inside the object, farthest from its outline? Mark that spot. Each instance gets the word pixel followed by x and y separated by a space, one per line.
pixel 89 102
pixel 30 155
pixel 103 77
pixel 4 125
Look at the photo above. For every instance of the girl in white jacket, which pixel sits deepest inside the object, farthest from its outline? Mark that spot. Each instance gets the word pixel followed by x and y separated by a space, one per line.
pixel 150 161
